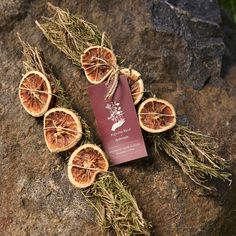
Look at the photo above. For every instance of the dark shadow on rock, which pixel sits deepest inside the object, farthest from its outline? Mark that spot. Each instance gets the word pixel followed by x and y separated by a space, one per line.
pixel 229 32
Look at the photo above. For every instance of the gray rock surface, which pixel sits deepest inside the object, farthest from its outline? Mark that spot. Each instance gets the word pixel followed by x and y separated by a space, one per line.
pixel 191 45
pixel 11 11
pixel 177 46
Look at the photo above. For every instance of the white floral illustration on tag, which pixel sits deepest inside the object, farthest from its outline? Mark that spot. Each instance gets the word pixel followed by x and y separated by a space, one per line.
pixel 116 115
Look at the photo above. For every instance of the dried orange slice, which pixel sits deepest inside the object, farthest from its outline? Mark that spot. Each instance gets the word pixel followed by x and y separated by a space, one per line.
pixel 85 163
pixel 62 129
pixel 35 93
pixel 98 63
pixel 135 83
pixel 156 115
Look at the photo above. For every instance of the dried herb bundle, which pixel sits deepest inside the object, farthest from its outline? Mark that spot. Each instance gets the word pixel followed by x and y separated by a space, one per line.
pixel 194 152
pixel 196 156
pixel 116 206
pixel 113 201
pixel 71 34
pixel 34 60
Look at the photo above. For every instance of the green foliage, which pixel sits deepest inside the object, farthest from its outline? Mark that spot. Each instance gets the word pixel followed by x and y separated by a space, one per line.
pixel 229 5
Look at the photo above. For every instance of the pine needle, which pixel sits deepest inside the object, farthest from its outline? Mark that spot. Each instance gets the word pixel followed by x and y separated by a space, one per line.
pixel 70 33
pixel 117 208
pixel 194 153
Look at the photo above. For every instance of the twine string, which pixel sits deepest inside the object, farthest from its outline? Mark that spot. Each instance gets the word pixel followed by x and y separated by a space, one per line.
pixel 87 168
pixel 115 81
pixel 40 91
pixel 114 76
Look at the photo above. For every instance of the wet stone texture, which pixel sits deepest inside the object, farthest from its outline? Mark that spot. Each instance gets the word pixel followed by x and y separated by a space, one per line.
pixel 177 46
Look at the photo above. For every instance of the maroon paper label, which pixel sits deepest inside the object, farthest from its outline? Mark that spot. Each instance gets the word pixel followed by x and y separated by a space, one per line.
pixel 117 122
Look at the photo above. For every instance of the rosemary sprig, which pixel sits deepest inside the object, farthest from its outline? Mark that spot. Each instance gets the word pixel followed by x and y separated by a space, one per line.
pixel 194 153
pixel 71 34
pixel 115 205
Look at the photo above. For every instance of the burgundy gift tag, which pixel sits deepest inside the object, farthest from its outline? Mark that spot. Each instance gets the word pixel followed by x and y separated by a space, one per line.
pixel 117 122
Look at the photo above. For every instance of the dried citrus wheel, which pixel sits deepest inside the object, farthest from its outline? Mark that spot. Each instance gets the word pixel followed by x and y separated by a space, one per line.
pixel 156 115
pixel 85 163
pixel 62 129
pixel 35 93
pixel 98 63
pixel 135 83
